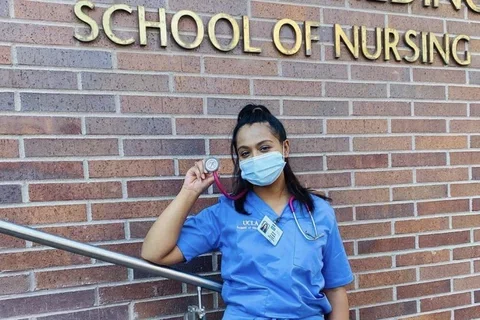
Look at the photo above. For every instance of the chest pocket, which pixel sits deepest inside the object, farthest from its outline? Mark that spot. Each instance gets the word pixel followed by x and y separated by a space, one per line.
pixel 308 254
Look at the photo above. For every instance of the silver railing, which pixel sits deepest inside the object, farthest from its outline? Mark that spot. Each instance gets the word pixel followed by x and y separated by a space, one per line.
pixel 26 233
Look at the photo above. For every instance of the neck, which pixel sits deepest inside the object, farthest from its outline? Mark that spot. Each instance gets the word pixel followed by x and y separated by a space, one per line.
pixel 277 191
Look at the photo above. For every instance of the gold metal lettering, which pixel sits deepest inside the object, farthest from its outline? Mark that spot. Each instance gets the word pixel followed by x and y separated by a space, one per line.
pixel 424 47
pixel 378 43
pixel 246 37
pixel 213 38
pixel 94 30
pixel 391 45
pixel 143 25
pixel 176 35
pixel 340 36
pixel 468 57
pixel 428 3
pixel 276 37
pixel 457 4
pixel 416 52
pixel 308 36
pixel 106 22
pixel 402 1
pixel 433 44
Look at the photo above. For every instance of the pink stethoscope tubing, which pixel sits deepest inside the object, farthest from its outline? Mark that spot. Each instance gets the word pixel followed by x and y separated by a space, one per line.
pixel 222 188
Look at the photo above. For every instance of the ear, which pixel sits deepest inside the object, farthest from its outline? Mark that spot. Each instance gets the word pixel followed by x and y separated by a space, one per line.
pixel 286 148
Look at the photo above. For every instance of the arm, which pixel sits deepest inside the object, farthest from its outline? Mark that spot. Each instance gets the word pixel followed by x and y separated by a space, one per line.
pixel 339 301
pixel 159 245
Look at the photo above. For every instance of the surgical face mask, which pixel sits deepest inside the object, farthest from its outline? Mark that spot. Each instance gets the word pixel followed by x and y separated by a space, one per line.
pixel 263 170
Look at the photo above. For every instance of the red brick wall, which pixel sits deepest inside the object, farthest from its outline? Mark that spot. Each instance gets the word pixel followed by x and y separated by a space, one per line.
pixel 95 140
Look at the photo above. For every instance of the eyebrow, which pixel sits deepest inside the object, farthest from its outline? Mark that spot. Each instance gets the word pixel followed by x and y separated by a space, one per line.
pixel 263 141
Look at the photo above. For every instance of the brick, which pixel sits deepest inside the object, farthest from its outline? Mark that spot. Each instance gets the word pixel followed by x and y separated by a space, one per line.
pixel 356 126
pixel 32 10
pixel 235 66
pixel 325 180
pixel 8 148
pixel 370 264
pixel 377 6
pixel 39 259
pixel 130 168
pixel 389 310
pixel 70 147
pixel 469 252
pixel 305 70
pixel 476 205
pixel 36 34
pixel 474 77
pixel 161 105
pixel 420 126
pixel 465 189
pixel 379 178
pixel 153 147
pixel 227 106
pixel 136 291
pixel 231 6
pixel 467 313
pixel 37 79
pixel 359 196
pixel 158 62
pixel 90 232
pixel 365 230
pixel 367 73
pixel 51 102
pixel 421 225
pixel 382 143
pixel 423 257
pixel 467 283
pixel 222 147
pixel 445 301
pixel 5 54
pixel 357 161
pixel 4 9
pixel 130 249
pixel 423 289
pixel 386 245
pixel 355 90
pixel 54 57
pixel 446 315
pixel 11 242
pixel 381 108
pixel 344 214
pixel 475 142
pixel 302 145
pixel 444 239
pixel 442 175
pixel 118 312
pixel 463 93
pixel 191 84
pixel 387 211
pixel 153 188
pixel 279 11
pixel 386 278
pixel 126 210
pixel 17 125
pixel 129 126
pixel 170 306
pixel 124 82
pixel 420 159
pixel 475 110
pixel 306 163
pixel 464 126
pixel 11 171
pixel 14 284
pixel 369 297
pixel 315 108
pixel 303 126
pixel 7 102
pixel 415 91
pixel 138 230
pixel 457 158
pixel 444 271
pixel 75 191
pixel 45 214
pixel 440 142
pixel 433 109
pixel 439 75
pixel 78 277
pixel 294 88
pixel 204 126
pixel 466 221
pixel 420 192
pixel 10 194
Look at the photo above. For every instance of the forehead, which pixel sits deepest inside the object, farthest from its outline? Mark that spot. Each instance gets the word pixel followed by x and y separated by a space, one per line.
pixel 251 134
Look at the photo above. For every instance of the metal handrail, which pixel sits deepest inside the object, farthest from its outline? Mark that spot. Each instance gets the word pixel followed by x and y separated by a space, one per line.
pixel 84 249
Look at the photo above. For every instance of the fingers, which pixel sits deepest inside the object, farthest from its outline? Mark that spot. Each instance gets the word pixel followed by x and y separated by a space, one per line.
pixel 200 165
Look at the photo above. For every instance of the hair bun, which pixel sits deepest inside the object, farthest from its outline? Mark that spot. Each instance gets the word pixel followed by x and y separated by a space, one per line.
pixel 253 109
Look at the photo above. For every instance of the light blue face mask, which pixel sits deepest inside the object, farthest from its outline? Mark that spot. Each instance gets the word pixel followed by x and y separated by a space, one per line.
pixel 263 170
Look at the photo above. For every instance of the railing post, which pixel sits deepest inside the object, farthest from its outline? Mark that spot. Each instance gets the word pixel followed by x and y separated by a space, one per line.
pixel 197 312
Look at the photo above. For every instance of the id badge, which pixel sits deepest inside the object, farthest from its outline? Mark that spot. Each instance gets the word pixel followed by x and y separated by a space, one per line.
pixel 270 230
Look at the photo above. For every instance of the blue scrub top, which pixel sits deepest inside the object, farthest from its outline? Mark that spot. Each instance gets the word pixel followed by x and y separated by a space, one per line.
pixel 263 281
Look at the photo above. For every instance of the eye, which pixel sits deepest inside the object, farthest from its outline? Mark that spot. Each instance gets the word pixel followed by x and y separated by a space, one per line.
pixel 264 148
pixel 244 154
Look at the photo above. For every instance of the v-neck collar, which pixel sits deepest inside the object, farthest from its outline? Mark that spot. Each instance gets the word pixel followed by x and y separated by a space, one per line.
pixel 262 208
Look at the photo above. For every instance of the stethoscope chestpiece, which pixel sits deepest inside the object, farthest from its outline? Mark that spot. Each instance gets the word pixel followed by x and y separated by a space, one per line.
pixel 212 164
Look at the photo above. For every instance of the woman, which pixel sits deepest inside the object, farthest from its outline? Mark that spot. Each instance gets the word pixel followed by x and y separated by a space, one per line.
pixel 275 264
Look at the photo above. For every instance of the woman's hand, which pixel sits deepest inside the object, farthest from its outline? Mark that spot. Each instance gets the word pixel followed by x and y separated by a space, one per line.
pixel 197 178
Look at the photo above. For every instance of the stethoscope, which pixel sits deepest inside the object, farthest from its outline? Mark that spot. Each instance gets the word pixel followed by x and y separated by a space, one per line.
pixel 212 165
